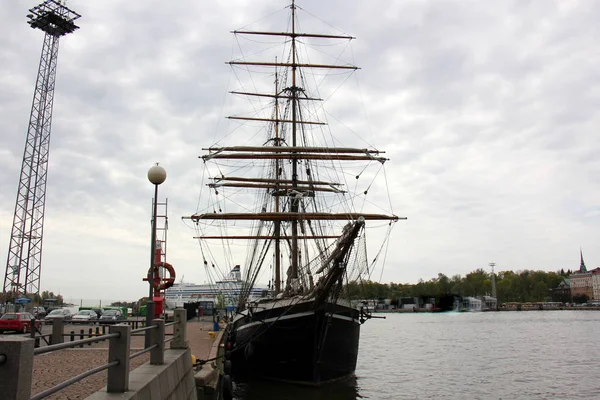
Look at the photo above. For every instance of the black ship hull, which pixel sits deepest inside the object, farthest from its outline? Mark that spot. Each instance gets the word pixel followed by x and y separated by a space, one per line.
pixel 295 341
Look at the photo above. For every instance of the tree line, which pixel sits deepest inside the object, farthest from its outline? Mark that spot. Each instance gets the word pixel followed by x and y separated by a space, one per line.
pixel 520 286
pixel 36 298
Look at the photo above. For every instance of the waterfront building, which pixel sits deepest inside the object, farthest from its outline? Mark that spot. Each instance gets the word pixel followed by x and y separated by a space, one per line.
pixel 489 303
pixel 562 293
pixel 410 302
pixel 471 304
pixel 581 284
pixel 581 281
pixel 595 284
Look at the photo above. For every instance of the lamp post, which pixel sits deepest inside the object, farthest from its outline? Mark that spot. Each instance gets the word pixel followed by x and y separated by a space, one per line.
pixel 156 176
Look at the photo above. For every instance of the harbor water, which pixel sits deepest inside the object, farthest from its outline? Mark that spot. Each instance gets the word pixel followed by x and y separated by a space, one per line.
pixel 491 355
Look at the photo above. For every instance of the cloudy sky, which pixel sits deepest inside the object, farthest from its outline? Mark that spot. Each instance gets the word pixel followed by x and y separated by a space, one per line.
pixel 488 111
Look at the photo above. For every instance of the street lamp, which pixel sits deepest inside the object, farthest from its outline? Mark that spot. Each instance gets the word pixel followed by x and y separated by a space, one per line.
pixel 156 176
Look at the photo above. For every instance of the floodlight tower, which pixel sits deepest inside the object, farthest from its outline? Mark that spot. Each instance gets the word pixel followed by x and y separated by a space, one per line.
pixel 493 264
pixel 23 265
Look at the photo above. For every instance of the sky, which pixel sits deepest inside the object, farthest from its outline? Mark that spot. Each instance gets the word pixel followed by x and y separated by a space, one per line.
pixel 488 112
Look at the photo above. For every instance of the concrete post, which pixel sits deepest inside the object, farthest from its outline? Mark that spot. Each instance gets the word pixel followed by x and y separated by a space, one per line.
pixel 149 317
pixel 157 355
pixel 16 367
pixel 32 328
pixel 32 333
pixel 179 330
pixel 57 330
pixel 118 350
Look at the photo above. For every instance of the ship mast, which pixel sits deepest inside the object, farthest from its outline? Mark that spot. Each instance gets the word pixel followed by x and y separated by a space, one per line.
pixel 289 221
pixel 295 201
pixel 277 224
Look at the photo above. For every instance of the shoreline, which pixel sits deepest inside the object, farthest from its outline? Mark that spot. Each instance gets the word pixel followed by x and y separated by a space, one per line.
pixel 529 308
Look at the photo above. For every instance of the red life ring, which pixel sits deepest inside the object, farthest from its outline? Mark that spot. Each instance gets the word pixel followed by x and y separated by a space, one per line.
pixel 163 283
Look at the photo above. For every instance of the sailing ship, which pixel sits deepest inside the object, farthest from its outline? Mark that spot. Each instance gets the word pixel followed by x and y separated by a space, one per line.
pixel 278 191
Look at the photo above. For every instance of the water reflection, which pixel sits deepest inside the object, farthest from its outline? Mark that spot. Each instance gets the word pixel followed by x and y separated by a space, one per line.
pixel 504 355
pixel 261 390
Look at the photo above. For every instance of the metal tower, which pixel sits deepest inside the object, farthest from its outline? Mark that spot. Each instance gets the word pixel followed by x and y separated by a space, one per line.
pixel 23 265
pixel 493 264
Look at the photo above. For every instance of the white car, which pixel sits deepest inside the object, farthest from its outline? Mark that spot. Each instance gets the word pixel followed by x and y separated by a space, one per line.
pixel 87 316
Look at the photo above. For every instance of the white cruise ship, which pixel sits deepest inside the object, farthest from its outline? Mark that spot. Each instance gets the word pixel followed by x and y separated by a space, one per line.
pixel 227 290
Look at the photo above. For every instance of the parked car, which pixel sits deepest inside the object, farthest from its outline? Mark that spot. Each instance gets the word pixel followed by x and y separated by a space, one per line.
pixel 111 316
pixel 18 322
pixel 87 316
pixel 39 312
pixel 58 312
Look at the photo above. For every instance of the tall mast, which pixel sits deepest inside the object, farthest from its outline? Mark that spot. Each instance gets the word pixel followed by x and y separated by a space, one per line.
pixel 287 227
pixel 294 93
pixel 277 224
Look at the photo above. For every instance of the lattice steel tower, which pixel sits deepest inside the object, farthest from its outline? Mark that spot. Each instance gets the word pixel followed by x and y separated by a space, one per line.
pixel 23 265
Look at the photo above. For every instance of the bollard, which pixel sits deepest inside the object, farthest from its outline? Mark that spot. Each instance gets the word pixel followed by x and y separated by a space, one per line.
pixel 90 335
pixel 72 336
pixel 149 318
pixel 57 331
pixel 16 367
pixel 104 329
pixel 179 330
pixel 97 331
pixel 157 355
pixel 32 328
pixel 118 350
pixel 81 338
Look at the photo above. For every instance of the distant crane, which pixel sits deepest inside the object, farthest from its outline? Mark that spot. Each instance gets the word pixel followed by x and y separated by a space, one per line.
pixel 24 262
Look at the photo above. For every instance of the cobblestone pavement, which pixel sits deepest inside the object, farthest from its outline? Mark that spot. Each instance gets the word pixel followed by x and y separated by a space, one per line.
pixel 199 339
pixel 53 368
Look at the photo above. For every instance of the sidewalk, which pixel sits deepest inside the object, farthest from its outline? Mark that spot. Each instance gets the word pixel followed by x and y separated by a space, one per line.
pixel 199 340
pixel 53 368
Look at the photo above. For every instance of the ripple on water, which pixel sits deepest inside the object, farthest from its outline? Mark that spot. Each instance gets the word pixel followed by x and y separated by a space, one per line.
pixel 506 355
pixel 487 356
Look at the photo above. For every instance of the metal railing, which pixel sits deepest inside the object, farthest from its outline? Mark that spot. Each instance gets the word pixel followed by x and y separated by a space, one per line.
pixel 16 355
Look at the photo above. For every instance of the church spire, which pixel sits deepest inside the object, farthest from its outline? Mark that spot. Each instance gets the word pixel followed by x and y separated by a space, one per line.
pixel 582 267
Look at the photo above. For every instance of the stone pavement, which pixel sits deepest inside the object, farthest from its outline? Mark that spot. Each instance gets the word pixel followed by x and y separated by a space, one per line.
pixel 50 369
pixel 199 340
pixel 53 368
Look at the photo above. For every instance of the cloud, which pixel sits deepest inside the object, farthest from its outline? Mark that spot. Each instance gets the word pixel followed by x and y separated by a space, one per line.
pixel 487 112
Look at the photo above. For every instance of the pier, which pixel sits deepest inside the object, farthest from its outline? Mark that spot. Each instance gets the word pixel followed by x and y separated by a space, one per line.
pixel 182 370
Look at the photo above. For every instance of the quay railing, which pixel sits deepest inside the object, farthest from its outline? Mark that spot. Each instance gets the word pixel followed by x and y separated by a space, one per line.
pixel 17 354
pixel 36 333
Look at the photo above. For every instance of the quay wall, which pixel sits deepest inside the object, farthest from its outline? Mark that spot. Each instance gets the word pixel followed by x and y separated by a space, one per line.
pixel 177 378
pixel 173 380
pixel 208 378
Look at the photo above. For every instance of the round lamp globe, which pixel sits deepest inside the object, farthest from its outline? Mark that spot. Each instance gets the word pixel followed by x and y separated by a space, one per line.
pixel 157 174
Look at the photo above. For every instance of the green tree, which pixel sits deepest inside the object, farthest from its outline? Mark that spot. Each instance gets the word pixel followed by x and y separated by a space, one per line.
pixel 522 286
pixel 541 292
